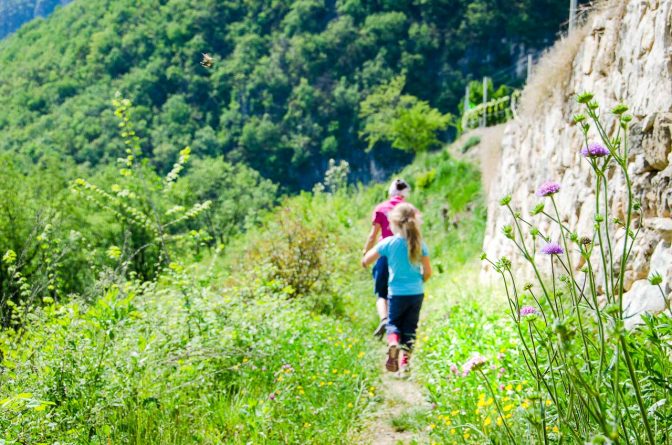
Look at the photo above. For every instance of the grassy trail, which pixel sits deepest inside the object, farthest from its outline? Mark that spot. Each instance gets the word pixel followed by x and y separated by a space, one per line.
pixel 391 424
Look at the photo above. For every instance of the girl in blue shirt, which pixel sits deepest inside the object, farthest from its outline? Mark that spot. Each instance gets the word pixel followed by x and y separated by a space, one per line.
pixel 408 263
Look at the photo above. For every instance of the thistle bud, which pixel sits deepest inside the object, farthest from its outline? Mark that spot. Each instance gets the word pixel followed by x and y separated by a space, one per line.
pixel 584 97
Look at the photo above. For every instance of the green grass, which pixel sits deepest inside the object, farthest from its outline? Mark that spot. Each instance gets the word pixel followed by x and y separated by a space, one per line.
pixel 413 419
pixel 224 351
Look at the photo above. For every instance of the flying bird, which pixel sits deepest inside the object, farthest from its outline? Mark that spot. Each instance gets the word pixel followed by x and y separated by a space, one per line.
pixel 207 61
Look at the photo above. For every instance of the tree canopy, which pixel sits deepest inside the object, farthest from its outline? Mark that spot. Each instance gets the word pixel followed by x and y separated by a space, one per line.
pixel 281 92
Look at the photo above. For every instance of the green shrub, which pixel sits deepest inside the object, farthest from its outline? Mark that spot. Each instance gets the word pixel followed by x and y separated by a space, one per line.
pixel 471 142
pixel 424 180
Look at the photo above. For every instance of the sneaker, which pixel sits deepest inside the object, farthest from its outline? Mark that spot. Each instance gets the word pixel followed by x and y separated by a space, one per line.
pixel 392 363
pixel 380 330
pixel 405 365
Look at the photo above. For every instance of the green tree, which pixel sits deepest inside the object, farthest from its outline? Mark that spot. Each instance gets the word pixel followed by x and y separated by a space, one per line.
pixel 402 120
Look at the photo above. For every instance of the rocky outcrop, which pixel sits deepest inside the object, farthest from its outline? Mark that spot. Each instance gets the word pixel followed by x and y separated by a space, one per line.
pixel 624 55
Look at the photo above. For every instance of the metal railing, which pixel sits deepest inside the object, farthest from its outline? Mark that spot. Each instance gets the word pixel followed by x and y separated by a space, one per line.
pixel 493 112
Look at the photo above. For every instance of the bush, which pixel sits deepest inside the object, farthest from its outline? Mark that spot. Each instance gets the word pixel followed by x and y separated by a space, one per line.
pixel 471 142
pixel 179 363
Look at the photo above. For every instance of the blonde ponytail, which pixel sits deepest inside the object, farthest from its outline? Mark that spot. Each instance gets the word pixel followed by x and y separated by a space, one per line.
pixel 405 222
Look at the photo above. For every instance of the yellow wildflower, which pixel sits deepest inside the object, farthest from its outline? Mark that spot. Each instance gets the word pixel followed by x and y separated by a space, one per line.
pixel 455 412
pixel 361 354
pixel 508 407
pixel 509 387
pixel 487 421
pixel 548 402
pixel 519 387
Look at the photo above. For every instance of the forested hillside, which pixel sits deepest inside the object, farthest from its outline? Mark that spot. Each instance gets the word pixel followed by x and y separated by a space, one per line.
pixel 14 13
pixel 284 88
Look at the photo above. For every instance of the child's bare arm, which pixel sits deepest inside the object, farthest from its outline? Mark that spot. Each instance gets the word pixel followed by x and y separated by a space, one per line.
pixel 369 257
pixel 426 268
pixel 372 238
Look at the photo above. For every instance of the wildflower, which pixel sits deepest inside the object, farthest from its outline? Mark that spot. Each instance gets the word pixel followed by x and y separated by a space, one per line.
pixel 552 249
pixel 509 387
pixel 594 150
pixel 508 407
pixel 360 355
pixel 487 421
pixel 350 405
pixel 455 412
pixel 548 402
pixel 548 188
pixel 585 240
pixel 519 387
pixel 556 429
pixel 271 396
pixel 473 364
pixel 530 313
pixel 453 368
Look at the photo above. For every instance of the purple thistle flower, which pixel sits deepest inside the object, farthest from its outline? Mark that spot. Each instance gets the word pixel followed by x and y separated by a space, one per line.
pixel 473 364
pixel 594 150
pixel 272 396
pixel 528 310
pixel 548 188
pixel 552 249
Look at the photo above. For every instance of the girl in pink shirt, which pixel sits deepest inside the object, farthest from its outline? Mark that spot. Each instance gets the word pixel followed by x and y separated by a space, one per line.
pixel 398 192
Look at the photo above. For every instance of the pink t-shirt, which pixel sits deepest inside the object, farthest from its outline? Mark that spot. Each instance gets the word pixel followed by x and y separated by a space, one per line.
pixel 380 215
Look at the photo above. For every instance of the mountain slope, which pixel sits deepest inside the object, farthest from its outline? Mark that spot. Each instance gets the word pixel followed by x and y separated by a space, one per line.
pixel 14 13
pixel 283 93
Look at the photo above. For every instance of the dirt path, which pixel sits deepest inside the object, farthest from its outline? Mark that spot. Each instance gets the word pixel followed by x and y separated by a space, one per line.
pixel 397 419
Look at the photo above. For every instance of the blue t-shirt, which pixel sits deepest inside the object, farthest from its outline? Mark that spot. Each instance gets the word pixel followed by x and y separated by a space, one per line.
pixel 405 278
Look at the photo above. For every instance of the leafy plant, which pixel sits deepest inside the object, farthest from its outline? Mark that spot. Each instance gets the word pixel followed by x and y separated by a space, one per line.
pixel 140 203
pixel 404 121
pixel 603 383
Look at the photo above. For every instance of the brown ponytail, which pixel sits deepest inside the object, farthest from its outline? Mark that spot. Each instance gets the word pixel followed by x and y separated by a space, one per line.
pixel 405 222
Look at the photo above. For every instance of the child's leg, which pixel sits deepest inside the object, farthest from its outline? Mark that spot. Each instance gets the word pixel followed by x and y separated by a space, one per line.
pixel 409 322
pixel 381 307
pixel 381 277
pixel 393 333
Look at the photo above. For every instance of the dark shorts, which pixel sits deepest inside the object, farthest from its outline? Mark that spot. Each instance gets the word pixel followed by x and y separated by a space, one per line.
pixel 404 316
pixel 381 275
